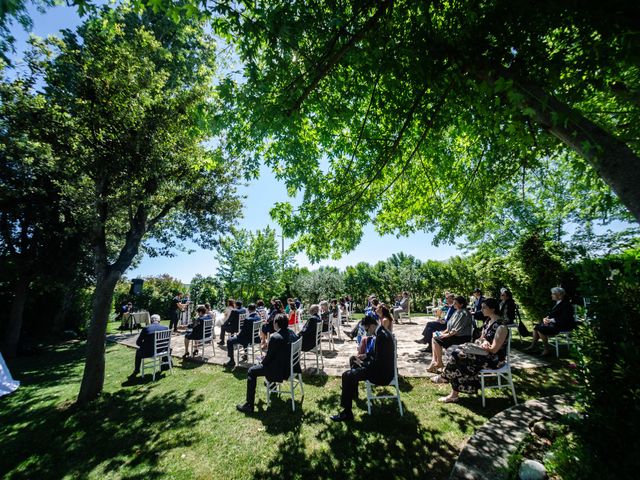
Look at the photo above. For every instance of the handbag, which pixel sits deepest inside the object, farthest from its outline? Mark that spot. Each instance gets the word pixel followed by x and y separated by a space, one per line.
pixel 523 331
pixel 472 348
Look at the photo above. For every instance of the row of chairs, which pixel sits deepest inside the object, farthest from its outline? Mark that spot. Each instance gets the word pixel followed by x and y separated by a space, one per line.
pixel 162 356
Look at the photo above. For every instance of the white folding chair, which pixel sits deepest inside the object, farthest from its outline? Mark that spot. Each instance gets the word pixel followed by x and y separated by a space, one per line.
pixel 207 337
pixel 255 333
pixel 503 372
pixel 295 379
pixel 328 335
pixel 317 350
pixel 562 338
pixel 393 383
pixel 337 324
pixel 405 315
pixel 161 352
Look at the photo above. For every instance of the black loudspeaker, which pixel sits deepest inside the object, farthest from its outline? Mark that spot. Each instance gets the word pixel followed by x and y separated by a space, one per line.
pixel 136 286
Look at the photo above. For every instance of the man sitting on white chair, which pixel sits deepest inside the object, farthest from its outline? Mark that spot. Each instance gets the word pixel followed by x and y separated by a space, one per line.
pixel 376 366
pixel 145 342
pixel 402 307
pixel 244 336
pixel 308 332
pixel 276 364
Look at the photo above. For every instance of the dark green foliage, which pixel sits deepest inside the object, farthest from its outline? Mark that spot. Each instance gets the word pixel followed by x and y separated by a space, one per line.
pixel 206 290
pixel 537 267
pixel 609 352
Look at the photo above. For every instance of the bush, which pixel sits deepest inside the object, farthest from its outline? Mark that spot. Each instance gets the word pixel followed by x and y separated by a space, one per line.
pixel 609 357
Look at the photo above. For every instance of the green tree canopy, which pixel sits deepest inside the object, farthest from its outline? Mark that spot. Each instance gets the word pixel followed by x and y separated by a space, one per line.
pixel 417 116
pixel 250 264
pixel 132 101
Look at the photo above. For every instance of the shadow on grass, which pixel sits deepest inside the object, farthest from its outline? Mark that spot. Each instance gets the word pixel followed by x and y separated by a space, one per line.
pixel 42 439
pixel 383 445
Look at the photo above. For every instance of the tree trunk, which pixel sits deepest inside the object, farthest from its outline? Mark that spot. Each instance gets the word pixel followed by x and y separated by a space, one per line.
pixel 611 158
pixel 14 327
pixel 93 376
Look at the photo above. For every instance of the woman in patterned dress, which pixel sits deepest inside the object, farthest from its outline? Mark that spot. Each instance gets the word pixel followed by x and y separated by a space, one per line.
pixel 462 370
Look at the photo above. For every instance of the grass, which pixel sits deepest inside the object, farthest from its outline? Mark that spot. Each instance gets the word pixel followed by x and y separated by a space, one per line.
pixel 185 425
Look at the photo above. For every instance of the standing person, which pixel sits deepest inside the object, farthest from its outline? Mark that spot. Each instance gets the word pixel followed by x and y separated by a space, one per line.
pixel 377 367
pixel 276 364
pixel 560 319
pixel 175 311
pixel 145 343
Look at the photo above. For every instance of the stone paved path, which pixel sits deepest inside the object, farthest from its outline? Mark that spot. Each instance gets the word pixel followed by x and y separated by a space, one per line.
pixel 481 460
pixel 412 360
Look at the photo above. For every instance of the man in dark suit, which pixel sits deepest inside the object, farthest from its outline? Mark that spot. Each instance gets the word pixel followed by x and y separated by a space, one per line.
pixel 560 319
pixel 276 365
pixel 145 342
pixel 310 329
pixel 377 367
pixel 232 323
pixel 244 337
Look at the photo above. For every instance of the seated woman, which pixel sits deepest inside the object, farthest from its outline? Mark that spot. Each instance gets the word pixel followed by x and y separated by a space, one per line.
pixel 459 330
pixel 560 319
pixel 462 370
pixel 194 331
pixel 507 306
pixel 324 315
pixel 292 312
pixel 268 328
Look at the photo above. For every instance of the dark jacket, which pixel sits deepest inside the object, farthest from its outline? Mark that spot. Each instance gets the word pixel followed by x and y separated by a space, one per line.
pixel 231 325
pixel 508 310
pixel 244 337
pixel 562 313
pixel 277 361
pixel 308 333
pixel 145 339
pixel 380 364
pixel 477 309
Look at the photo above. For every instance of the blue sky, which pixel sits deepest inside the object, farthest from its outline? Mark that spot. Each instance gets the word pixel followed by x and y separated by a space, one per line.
pixel 261 196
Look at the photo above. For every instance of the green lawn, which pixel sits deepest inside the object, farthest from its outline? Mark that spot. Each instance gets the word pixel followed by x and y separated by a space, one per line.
pixel 185 425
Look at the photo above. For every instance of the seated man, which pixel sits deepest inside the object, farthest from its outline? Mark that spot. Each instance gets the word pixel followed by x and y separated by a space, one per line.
pixel 232 323
pixel 244 337
pixel 308 332
pixel 403 306
pixel 194 332
pixel 370 311
pixel 276 364
pixel 145 343
pixel 560 319
pixel 377 367
pixel 438 325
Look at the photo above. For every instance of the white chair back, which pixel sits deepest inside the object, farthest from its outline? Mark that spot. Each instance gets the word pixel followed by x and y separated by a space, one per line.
pixel 161 342
pixel 241 318
pixel 393 383
pixel 295 355
pixel 161 352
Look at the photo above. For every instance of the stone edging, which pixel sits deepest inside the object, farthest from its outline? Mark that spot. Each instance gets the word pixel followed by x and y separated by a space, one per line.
pixel 486 453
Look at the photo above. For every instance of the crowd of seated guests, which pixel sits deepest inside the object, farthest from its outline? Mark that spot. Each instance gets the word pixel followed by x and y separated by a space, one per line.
pixel 450 338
